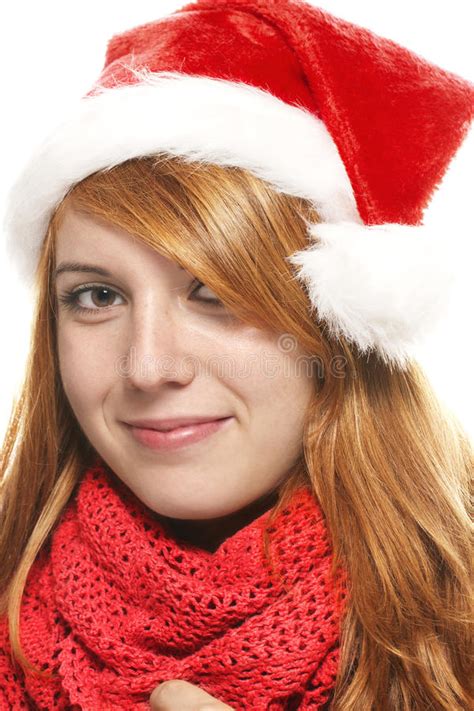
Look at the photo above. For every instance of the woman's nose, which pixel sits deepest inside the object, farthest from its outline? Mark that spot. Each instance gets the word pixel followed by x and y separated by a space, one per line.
pixel 157 348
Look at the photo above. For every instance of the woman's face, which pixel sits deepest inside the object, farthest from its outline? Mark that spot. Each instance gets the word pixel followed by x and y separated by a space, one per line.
pixel 148 349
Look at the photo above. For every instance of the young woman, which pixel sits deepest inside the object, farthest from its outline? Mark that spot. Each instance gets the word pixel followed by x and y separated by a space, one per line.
pixel 226 483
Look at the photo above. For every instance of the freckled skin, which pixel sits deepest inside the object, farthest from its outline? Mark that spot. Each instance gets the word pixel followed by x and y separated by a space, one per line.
pixel 183 356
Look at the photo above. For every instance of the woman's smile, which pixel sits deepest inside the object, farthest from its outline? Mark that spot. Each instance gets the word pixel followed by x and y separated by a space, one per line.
pixel 178 437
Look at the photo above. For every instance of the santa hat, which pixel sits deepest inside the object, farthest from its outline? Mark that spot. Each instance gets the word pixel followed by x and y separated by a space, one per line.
pixel 319 108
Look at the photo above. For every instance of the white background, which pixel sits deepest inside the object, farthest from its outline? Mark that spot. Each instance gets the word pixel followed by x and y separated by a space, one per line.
pixel 52 52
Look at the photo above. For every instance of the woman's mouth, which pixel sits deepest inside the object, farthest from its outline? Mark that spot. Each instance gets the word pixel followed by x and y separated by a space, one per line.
pixel 177 437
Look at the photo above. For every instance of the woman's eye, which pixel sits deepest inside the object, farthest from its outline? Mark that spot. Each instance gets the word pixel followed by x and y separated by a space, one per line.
pixel 211 300
pixel 93 299
pixel 89 299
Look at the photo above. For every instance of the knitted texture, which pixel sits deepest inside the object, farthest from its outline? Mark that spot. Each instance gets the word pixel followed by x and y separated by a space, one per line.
pixel 115 605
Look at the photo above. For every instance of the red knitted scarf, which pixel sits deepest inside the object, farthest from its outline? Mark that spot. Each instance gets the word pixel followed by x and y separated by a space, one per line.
pixel 116 605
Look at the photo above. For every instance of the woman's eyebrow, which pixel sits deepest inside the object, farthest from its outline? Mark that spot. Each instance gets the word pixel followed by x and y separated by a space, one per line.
pixel 78 267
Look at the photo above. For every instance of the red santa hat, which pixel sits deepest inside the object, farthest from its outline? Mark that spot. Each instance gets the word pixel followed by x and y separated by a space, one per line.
pixel 318 107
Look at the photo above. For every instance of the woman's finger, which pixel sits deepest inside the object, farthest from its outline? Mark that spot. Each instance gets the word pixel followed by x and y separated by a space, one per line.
pixel 180 695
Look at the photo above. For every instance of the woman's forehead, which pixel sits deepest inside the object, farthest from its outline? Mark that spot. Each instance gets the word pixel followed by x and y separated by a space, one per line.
pixel 81 234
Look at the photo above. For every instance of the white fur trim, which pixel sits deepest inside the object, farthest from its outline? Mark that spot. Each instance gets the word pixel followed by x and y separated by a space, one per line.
pixel 380 286
pixel 200 118
pixel 383 287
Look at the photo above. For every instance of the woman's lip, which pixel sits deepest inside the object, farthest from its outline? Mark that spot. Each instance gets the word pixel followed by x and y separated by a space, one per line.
pixel 178 437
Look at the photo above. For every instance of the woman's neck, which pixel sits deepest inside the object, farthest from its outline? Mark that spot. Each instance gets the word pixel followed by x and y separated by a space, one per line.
pixel 210 533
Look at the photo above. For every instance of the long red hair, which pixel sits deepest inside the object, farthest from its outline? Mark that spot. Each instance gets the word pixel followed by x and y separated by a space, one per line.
pixel 389 465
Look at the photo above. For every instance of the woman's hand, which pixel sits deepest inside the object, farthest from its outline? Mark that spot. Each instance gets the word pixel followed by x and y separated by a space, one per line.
pixel 179 695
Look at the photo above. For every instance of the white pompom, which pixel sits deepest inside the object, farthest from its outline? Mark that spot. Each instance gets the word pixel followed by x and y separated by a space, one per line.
pixel 382 287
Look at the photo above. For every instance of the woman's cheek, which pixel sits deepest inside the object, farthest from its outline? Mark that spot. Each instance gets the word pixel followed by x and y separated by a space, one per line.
pixel 86 367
